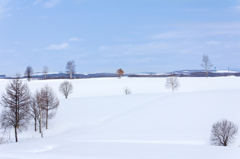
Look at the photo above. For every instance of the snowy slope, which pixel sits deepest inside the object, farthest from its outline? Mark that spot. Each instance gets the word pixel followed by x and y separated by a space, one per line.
pixel 99 121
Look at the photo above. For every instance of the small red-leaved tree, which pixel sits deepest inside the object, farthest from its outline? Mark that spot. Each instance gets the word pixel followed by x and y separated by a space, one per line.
pixel 120 73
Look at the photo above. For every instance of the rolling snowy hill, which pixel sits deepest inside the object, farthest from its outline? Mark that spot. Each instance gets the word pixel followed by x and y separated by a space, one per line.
pixel 99 121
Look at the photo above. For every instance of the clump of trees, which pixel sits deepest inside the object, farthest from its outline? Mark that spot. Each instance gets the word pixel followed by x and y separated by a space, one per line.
pixel 19 107
pixel 28 73
pixel 206 64
pixel 70 68
pixel 66 88
pixel 172 82
pixel 223 133
pixel 120 73
pixel 43 106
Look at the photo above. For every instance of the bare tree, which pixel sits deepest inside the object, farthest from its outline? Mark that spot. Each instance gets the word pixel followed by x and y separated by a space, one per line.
pixel 37 111
pixel 40 104
pixel 127 91
pixel 34 110
pixel 45 71
pixel 120 73
pixel 70 67
pixel 223 133
pixel 173 83
pixel 66 88
pixel 16 106
pixel 28 73
pixel 50 103
pixel 206 64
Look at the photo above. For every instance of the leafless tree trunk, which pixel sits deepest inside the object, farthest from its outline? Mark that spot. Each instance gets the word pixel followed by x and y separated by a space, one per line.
pixel 16 106
pixel 34 110
pixel 66 88
pixel 41 118
pixel 206 64
pixel 70 67
pixel 45 71
pixel 50 103
pixel 173 83
pixel 40 104
pixel 120 73
pixel 29 73
pixel 223 133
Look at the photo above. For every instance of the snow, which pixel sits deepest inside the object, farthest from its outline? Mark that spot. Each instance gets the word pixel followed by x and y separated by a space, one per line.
pixel 98 121
pixel 226 71
pixel 42 74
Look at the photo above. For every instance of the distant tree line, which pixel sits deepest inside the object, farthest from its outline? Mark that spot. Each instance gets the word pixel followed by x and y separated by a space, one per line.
pixel 70 72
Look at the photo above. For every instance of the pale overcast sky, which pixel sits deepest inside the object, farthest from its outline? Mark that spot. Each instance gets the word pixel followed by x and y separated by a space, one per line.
pixel 104 35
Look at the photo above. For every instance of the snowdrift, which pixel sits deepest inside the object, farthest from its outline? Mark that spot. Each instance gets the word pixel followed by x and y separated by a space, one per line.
pixel 99 121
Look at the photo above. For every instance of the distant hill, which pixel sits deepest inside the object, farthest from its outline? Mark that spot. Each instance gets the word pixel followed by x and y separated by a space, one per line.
pixel 180 73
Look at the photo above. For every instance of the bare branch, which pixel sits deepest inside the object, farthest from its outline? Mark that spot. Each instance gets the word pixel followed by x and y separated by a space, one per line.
pixel 16 106
pixel 206 64
pixel 70 67
pixel 45 71
pixel 66 88
pixel 29 73
pixel 172 83
pixel 50 103
pixel 223 133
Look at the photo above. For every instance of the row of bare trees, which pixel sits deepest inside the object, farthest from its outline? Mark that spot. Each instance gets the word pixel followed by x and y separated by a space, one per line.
pixel 206 64
pixel 43 106
pixel 20 107
pixel 29 72
pixel 70 69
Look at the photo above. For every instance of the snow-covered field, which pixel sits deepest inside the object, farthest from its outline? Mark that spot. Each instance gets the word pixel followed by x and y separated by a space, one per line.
pixel 99 121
